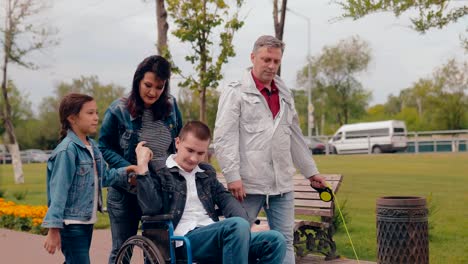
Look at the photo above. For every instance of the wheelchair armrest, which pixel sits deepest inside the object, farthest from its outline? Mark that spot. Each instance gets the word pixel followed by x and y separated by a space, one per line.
pixel 156 218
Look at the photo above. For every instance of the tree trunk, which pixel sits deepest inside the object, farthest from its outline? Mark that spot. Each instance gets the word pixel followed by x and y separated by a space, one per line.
pixel 279 22
pixel 163 27
pixel 6 109
pixel 203 105
pixel 16 162
pixel 11 138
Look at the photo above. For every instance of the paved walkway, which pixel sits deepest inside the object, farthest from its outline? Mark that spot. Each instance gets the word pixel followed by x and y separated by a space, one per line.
pixel 24 248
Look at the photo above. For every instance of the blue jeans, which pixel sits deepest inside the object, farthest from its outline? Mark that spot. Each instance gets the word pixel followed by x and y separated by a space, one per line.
pixel 230 241
pixel 76 241
pixel 124 215
pixel 280 214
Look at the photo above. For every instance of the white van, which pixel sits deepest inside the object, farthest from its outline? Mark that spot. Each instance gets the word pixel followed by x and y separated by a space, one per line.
pixel 375 137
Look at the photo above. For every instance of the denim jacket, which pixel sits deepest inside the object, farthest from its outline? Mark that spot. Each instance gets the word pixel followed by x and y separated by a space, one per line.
pixel 119 133
pixel 70 181
pixel 165 192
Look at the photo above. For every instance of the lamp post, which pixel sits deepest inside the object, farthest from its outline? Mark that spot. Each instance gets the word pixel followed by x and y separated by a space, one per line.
pixel 310 107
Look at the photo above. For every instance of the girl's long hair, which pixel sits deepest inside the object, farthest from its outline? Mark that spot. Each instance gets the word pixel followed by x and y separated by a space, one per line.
pixel 71 104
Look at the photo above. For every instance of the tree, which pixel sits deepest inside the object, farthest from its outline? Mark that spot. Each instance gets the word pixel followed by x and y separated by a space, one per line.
pixel 103 94
pixel 199 23
pixel 21 115
pixel 431 14
pixel 190 109
pixel 300 102
pixel 21 36
pixel 279 19
pixel 450 86
pixel 163 27
pixel 337 95
pixel 20 105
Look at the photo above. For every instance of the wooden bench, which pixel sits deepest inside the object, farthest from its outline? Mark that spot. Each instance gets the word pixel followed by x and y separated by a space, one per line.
pixel 312 236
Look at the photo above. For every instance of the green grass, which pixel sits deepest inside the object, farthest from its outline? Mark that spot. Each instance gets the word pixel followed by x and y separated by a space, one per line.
pixel 366 177
pixel 35 178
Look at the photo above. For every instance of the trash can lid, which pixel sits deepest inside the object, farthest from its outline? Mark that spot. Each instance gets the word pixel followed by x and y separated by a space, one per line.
pixel 401 201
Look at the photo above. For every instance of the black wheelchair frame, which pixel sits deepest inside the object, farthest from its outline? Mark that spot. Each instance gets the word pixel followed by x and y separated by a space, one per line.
pixel 156 245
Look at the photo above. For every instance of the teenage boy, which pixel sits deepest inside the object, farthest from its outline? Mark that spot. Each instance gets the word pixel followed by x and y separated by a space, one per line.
pixel 189 191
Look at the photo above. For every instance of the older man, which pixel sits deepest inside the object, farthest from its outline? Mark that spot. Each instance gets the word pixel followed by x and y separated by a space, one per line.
pixel 258 141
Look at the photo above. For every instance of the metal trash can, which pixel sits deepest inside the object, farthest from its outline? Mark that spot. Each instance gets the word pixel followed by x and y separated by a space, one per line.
pixel 402 231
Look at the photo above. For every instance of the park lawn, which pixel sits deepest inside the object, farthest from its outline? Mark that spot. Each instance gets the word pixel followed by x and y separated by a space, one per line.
pixel 442 177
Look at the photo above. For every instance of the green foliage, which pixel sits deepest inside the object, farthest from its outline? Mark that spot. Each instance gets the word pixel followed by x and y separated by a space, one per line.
pixel 368 177
pixel 433 208
pixel 49 123
pixel 451 85
pixel 2 192
pixel 337 94
pixel 199 23
pixel 338 221
pixel 21 195
pixel 24 224
pixel 430 13
pixel 47 119
pixel 190 108
pixel 376 113
pixel 300 101
pixel 439 102
pixel 20 105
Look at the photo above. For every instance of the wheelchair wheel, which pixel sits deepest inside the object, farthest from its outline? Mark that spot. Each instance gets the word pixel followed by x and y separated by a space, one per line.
pixel 141 250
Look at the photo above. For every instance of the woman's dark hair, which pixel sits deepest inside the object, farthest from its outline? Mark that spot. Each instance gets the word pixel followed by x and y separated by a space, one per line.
pixel 162 69
pixel 71 104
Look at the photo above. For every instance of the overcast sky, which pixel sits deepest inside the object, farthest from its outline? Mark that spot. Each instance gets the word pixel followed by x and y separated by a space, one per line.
pixel 108 38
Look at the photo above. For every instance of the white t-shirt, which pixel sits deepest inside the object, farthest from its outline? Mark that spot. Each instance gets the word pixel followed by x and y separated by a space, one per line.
pixel 194 214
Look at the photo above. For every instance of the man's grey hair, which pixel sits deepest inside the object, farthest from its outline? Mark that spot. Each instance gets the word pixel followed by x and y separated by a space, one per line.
pixel 268 41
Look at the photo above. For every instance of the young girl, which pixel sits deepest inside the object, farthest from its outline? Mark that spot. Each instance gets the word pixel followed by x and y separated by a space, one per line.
pixel 75 174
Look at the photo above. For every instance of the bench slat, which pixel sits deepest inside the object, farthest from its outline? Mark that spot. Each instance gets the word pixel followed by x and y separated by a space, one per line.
pixel 309 211
pixel 306 195
pixel 306 199
pixel 312 203
pixel 305 187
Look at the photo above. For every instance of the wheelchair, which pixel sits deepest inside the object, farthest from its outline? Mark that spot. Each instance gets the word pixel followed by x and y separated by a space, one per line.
pixel 156 245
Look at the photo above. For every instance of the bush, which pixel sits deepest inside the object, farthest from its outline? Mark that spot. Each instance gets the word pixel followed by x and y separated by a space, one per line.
pixel 20 195
pixel 2 193
pixel 22 217
pixel 337 220
pixel 433 209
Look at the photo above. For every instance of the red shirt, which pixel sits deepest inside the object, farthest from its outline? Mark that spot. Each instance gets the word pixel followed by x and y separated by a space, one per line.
pixel 272 97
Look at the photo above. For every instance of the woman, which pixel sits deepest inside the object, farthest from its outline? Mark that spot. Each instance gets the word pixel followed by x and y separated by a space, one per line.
pixel 149 114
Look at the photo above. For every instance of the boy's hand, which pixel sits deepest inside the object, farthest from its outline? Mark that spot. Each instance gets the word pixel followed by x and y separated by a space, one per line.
pixel 144 155
pixel 52 242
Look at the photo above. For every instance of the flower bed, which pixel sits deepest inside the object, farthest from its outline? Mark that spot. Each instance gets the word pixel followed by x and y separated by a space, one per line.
pixel 22 217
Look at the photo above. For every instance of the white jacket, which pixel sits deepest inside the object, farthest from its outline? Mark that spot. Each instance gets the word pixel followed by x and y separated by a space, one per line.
pixel 252 146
